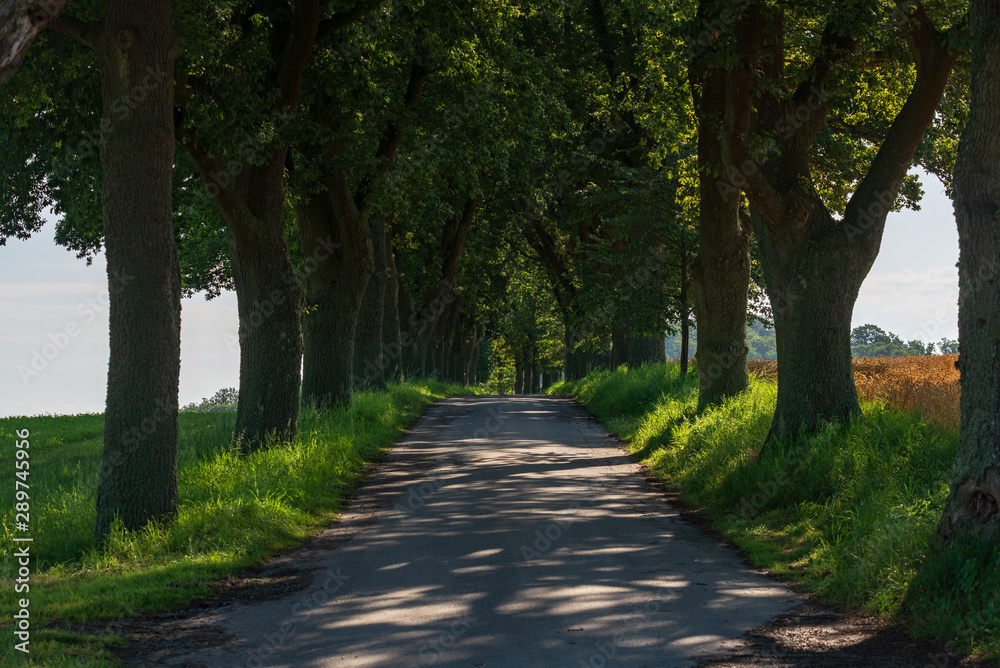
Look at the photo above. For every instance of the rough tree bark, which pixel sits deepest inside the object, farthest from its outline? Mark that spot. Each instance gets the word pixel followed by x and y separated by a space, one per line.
pixel 334 289
pixel 720 274
pixel 621 340
pixel 974 500
pixel 269 299
pixel 685 311
pixel 813 264
pixel 135 47
pixel 646 350
pixel 20 23
pixel 369 353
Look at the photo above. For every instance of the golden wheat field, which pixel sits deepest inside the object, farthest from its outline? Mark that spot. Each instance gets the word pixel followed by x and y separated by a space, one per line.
pixel 926 383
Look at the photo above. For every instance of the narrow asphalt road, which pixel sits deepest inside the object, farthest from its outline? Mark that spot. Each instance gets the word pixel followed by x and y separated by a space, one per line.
pixel 501 532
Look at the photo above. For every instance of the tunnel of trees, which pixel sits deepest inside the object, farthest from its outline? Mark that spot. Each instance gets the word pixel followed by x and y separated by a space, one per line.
pixel 499 191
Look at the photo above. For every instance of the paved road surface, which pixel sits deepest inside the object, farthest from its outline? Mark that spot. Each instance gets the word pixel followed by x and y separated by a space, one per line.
pixel 502 532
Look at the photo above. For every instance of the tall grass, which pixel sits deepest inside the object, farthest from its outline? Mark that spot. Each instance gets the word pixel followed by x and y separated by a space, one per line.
pixel 850 514
pixel 234 512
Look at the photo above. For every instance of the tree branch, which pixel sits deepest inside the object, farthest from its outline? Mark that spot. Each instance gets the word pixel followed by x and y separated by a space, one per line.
pixel 543 244
pixel 343 19
pixel 84 33
pixel 20 23
pixel 840 126
pixel 757 33
pixel 393 133
pixel 453 250
pixel 868 207
pixel 298 49
pixel 232 205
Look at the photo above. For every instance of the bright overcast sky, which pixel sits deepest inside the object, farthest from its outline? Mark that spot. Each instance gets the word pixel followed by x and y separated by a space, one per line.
pixel 46 292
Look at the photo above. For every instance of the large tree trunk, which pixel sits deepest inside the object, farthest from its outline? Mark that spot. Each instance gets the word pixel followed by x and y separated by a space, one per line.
pixel 138 477
pixel 974 500
pixel 621 338
pixel 334 290
pixel 647 350
pixel 269 300
pixel 812 297
pixel 720 276
pixel 391 343
pixel 268 290
pixel 338 291
pixel 369 352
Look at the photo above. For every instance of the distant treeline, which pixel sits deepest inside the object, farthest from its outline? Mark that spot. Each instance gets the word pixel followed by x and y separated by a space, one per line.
pixel 866 341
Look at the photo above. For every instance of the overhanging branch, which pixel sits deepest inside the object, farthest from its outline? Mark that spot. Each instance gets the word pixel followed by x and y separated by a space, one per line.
pixel 20 23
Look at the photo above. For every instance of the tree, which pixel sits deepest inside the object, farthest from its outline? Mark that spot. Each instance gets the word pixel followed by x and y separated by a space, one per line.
pixel 866 335
pixel 222 401
pixel 720 79
pixel 814 263
pixel 135 48
pixel 20 22
pixel 948 346
pixel 974 499
pixel 238 96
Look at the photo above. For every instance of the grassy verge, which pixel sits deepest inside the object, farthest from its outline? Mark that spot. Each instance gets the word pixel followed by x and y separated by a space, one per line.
pixel 234 513
pixel 848 514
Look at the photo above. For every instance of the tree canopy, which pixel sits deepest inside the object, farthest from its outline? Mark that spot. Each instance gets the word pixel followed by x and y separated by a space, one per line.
pixel 505 191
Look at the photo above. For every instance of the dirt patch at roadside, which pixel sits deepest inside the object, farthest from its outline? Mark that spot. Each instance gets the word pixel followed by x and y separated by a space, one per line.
pixel 814 637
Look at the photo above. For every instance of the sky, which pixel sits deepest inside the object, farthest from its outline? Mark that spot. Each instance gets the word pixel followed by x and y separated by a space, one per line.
pixel 54 315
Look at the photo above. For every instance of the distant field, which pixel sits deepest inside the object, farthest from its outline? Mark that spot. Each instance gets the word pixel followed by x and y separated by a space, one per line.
pixel 925 384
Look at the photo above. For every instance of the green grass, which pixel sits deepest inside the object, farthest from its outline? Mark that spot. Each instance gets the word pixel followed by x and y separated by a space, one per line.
pixel 849 514
pixel 235 511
